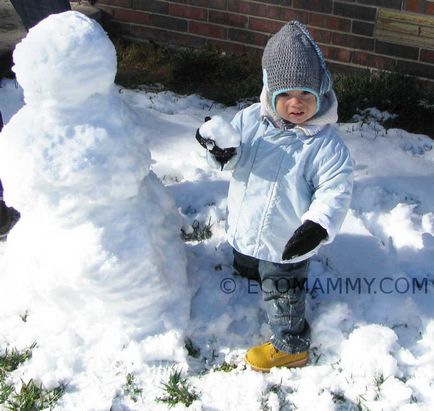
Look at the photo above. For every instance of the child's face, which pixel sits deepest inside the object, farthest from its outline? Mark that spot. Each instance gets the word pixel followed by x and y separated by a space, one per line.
pixel 296 106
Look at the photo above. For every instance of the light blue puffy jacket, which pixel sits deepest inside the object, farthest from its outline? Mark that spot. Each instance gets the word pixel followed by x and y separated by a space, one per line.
pixel 280 179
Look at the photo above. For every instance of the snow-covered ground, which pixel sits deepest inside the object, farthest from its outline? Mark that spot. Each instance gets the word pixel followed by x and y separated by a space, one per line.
pixel 95 273
pixel 370 302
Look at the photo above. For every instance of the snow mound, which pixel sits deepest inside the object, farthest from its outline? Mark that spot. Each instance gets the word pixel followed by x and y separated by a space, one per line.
pixel 97 250
pixel 368 353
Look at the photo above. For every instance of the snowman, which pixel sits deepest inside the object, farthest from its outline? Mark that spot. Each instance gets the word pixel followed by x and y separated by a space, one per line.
pixel 96 263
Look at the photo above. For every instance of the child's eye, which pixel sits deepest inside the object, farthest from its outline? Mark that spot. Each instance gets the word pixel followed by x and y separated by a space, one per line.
pixel 304 92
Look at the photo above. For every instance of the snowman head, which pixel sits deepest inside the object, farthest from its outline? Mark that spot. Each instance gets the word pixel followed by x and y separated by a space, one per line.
pixel 64 60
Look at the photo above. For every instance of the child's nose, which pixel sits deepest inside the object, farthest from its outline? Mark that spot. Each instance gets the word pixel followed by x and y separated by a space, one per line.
pixel 295 100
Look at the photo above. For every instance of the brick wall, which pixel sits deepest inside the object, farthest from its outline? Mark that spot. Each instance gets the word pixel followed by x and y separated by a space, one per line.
pixel 351 33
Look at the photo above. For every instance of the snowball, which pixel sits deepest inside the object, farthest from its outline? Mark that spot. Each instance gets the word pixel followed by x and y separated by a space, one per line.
pixel 222 132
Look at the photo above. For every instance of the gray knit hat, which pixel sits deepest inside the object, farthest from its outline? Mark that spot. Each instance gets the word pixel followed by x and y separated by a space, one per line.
pixel 293 61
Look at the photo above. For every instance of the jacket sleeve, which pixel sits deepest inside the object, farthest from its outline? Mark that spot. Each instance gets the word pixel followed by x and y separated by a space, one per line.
pixel 332 181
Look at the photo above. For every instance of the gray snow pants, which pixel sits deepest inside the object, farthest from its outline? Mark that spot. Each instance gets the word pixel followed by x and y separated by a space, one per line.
pixel 284 294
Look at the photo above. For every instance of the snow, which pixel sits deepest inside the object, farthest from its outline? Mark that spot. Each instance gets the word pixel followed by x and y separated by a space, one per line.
pixel 105 266
pixel 372 114
pixel 76 54
pixel 221 131
pixel 95 272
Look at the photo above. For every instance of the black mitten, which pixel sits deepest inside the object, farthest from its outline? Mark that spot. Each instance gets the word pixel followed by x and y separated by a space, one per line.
pixel 222 155
pixel 305 239
pixel 8 218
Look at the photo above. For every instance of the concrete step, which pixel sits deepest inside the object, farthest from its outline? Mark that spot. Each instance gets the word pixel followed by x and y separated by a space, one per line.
pixel 12 30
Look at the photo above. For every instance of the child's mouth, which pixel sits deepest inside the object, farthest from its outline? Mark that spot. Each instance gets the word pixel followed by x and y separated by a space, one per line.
pixel 297 114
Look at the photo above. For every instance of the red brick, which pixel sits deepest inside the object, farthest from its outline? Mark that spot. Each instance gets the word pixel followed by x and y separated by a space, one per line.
pixel 247 7
pixel 117 3
pixel 210 4
pixel 391 49
pixel 321 36
pixel 275 12
pixel 416 69
pixel 372 60
pixel 186 40
pixel 325 51
pixel 430 8
pixel 337 54
pixel 247 37
pixel 381 62
pixel 358 12
pixel 329 22
pixel 148 33
pixel 267 26
pixel 427 56
pixel 209 30
pixel 355 42
pixel 108 10
pixel 283 3
pixel 168 23
pixel 416 6
pixel 217 4
pixel 153 6
pixel 324 6
pixel 364 28
pixel 360 58
pixel 389 4
pixel 187 12
pixel 344 55
pixel 285 14
pixel 199 3
pixel 227 19
pixel 131 16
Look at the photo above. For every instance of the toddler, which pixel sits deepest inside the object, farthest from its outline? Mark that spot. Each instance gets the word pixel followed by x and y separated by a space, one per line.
pixel 290 188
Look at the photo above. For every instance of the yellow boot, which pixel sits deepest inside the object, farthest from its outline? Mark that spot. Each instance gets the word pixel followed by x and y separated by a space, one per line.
pixel 265 356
